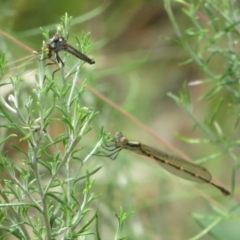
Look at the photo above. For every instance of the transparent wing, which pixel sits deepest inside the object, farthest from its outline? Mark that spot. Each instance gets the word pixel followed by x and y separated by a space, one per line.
pixel 178 166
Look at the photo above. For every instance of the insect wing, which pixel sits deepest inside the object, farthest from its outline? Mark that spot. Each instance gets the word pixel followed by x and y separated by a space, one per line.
pixel 70 49
pixel 180 167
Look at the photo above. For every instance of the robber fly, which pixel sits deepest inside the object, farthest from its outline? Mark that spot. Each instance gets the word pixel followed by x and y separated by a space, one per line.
pixel 57 44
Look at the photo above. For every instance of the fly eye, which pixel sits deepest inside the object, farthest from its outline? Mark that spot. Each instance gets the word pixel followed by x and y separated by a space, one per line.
pixel 55 38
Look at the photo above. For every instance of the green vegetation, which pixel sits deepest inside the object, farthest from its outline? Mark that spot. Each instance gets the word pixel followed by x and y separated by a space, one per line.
pixel 179 77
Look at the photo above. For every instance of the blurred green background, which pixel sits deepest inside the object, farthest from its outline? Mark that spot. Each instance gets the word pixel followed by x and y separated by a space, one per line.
pixel 136 66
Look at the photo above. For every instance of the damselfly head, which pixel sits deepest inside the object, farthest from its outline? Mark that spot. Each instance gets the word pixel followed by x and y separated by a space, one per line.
pixel 120 140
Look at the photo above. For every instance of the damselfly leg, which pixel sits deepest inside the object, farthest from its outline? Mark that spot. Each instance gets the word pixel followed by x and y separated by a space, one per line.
pixel 110 147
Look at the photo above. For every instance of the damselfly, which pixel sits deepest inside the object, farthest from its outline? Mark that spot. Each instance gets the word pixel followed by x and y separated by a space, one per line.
pixel 173 164
pixel 57 44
